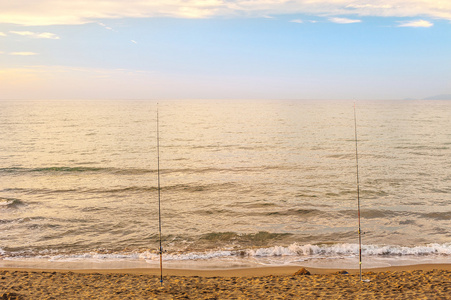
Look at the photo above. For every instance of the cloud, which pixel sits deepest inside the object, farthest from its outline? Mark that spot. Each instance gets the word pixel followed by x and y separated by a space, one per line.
pixel 344 20
pixel 51 12
pixel 23 53
pixel 299 21
pixel 418 23
pixel 105 26
pixel 23 33
pixel 43 35
pixel 378 6
pixel 47 35
pixel 2 34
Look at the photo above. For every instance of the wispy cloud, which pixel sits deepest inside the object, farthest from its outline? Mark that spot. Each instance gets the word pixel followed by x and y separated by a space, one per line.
pixel 344 20
pixel 370 6
pixel 23 53
pixel 299 21
pixel 42 35
pixel 47 35
pixel 2 34
pixel 112 29
pixel 106 27
pixel 23 33
pixel 49 12
pixel 103 25
pixel 417 23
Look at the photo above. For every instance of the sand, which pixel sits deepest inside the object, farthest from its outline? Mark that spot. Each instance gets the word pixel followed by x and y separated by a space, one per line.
pixel 411 282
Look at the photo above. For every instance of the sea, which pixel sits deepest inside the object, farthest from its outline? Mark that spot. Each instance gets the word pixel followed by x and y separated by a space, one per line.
pixel 243 183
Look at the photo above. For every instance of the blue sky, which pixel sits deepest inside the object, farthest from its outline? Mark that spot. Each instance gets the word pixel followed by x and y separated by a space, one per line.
pixel 215 49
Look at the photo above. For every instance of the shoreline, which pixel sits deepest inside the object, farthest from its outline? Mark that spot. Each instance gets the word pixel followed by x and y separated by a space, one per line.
pixel 233 272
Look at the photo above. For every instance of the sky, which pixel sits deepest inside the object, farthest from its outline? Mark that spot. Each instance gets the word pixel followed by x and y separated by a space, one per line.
pixel 224 49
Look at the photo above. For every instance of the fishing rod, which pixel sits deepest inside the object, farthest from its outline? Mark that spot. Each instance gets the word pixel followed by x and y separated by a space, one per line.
pixel 160 250
pixel 358 193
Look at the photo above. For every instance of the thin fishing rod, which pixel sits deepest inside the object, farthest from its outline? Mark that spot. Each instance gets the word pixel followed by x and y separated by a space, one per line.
pixel 358 193
pixel 160 251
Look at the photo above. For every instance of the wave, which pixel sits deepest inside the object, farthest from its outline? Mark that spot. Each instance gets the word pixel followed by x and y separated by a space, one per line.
pixel 293 253
pixel 50 169
pixel 127 189
pixel 352 249
pixel 176 187
pixel 47 170
pixel 136 171
pixel 313 251
pixel 299 212
pixel 438 215
pixel 384 213
pixel 247 237
pixel 10 203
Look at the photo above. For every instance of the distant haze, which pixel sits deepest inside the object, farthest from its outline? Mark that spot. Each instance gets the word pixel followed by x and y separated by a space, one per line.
pixel 439 97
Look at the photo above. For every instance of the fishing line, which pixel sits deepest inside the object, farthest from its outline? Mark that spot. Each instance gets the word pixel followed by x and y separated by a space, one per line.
pixel 160 250
pixel 358 193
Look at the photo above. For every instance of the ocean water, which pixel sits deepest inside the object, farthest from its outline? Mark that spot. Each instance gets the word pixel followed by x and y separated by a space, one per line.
pixel 243 183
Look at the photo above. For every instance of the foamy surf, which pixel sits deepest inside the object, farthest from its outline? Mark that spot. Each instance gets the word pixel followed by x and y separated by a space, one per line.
pixel 336 255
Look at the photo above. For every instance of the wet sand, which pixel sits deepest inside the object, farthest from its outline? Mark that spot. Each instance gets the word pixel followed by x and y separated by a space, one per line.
pixel 407 282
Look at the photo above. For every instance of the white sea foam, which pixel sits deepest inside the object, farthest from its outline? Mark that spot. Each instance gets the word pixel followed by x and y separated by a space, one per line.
pixel 430 249
pixel 335 255
pixel 307 251
pixel 351 249
pixel 188 256
pixel 92 256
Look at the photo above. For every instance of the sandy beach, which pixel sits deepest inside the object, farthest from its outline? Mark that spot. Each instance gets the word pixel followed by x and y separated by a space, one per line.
pixel 414 282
